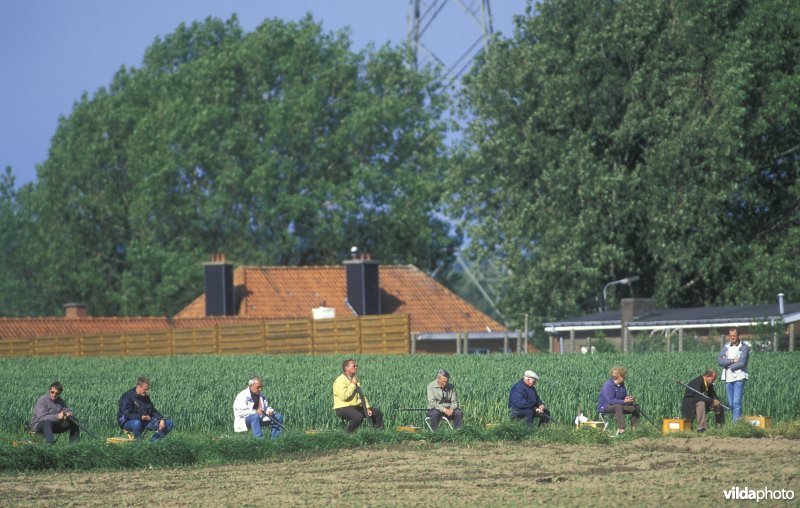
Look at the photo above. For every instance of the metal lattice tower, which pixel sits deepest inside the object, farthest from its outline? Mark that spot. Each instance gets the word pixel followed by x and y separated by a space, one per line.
pixel 425 16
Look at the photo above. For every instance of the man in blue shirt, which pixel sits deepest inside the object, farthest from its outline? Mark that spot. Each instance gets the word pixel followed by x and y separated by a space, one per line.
pixel 524 401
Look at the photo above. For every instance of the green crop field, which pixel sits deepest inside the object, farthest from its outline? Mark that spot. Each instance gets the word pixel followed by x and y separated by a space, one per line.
pixel 197 391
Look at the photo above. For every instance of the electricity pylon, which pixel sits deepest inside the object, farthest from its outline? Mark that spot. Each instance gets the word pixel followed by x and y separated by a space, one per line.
pixel 427 16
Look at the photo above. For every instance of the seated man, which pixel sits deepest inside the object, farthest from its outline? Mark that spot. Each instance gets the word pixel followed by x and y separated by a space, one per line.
pixel 349 402
pixel 251 410
pixel 52 416
pixel 614 399
pixel 524 401
pixel 443 401
pixel 699 398
pixel 137 412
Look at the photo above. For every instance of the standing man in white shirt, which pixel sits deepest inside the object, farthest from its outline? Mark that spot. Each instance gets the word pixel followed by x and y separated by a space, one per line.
pixel 733 359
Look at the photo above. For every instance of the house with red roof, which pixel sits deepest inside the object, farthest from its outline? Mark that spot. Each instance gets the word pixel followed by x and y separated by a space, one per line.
pixel 440 321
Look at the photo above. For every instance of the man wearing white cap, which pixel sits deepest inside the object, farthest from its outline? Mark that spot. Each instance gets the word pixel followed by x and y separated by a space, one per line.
pixel 524 401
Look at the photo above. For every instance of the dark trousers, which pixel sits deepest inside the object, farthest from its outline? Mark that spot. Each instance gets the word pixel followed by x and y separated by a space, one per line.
pixel 530 414
pixel 355 415
pixel 49 427
pixel 435 415
pixel 620 410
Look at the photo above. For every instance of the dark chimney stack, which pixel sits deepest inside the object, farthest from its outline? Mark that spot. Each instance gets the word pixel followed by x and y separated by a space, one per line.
pixel 219 287
pixel 363 284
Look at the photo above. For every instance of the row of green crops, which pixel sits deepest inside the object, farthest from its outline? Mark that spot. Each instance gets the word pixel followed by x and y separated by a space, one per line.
pixel 197 392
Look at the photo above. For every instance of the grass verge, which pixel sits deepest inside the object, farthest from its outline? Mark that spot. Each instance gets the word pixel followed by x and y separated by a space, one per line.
pixel 198 450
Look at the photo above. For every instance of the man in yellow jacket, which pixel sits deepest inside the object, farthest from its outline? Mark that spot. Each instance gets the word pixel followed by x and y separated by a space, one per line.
pixel 348 401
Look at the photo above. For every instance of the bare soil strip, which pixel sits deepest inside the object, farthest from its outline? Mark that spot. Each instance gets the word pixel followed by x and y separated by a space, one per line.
pixel 641 472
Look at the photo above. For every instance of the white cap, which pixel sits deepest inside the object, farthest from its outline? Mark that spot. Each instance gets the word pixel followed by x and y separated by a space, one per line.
pixel 531 374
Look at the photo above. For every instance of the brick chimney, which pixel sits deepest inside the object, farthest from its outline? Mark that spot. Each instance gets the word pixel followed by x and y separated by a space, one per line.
pixel 75 310
pixel 630 309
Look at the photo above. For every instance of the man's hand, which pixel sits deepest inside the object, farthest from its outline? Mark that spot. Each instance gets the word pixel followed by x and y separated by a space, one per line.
pixel 448 411
pixel 270 412
pixel 629 399
pixel 716 402
pixel 162 424
pixel 369 411
pixel 62 415
pixel 146 418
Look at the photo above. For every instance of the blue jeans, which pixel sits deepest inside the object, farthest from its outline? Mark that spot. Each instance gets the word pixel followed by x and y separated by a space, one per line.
pixel 735 394
pixel 136 427
pixel 254 423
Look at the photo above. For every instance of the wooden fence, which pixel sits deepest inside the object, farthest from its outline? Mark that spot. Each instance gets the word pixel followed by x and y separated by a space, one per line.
pixel 386 334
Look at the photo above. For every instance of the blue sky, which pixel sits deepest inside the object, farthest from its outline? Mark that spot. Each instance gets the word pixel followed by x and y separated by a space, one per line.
pixel 53 51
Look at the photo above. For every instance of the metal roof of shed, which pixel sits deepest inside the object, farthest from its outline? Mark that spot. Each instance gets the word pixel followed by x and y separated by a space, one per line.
pixel 688 317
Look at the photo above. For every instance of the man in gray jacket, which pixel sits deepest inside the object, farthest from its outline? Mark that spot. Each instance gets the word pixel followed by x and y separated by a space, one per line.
pixel 52 416
pixel 443 401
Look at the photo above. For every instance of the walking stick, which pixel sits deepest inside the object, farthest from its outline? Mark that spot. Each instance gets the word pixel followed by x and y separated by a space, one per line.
pixel 698 392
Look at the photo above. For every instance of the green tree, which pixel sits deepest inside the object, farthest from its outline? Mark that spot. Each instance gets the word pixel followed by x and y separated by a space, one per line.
pixel 652 138
pixel 281 146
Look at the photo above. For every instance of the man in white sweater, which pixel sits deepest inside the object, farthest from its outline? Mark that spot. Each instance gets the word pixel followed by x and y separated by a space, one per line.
pixel 251 411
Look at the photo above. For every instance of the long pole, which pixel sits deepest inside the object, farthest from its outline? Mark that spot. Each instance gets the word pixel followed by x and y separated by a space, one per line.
pixel 701 394
pixel 76 422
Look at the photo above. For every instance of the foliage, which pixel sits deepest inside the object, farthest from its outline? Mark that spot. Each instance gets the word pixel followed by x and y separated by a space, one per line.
pixel 277 147
pixel 652 138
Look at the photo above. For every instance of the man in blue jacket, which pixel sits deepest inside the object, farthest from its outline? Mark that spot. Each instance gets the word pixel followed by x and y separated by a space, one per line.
pixel 524 401
pixel 137 412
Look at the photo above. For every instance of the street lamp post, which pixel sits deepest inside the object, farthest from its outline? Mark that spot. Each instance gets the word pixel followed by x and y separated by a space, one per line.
pixel 626 280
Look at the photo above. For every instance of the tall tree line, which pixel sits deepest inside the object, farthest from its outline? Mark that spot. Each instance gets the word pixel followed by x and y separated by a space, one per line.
pixel 656 138
pixel 604 139
pixel 278 147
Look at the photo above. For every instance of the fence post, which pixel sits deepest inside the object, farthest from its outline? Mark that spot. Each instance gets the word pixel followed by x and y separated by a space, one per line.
pixel 680 340
pixel 413 343
pixel 572 341
pixel 466 343
pixel 505 343
pixel 313 334
pixel 791 337
pixel 360 336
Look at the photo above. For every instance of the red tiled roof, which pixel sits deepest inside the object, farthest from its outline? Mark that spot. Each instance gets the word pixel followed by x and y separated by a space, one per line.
pixel 285 292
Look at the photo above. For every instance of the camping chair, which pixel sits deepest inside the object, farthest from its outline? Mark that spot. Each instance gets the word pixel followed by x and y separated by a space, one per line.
pixel 444 419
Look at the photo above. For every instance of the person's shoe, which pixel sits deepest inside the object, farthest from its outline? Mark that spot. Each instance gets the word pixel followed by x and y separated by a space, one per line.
pixel 701 430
